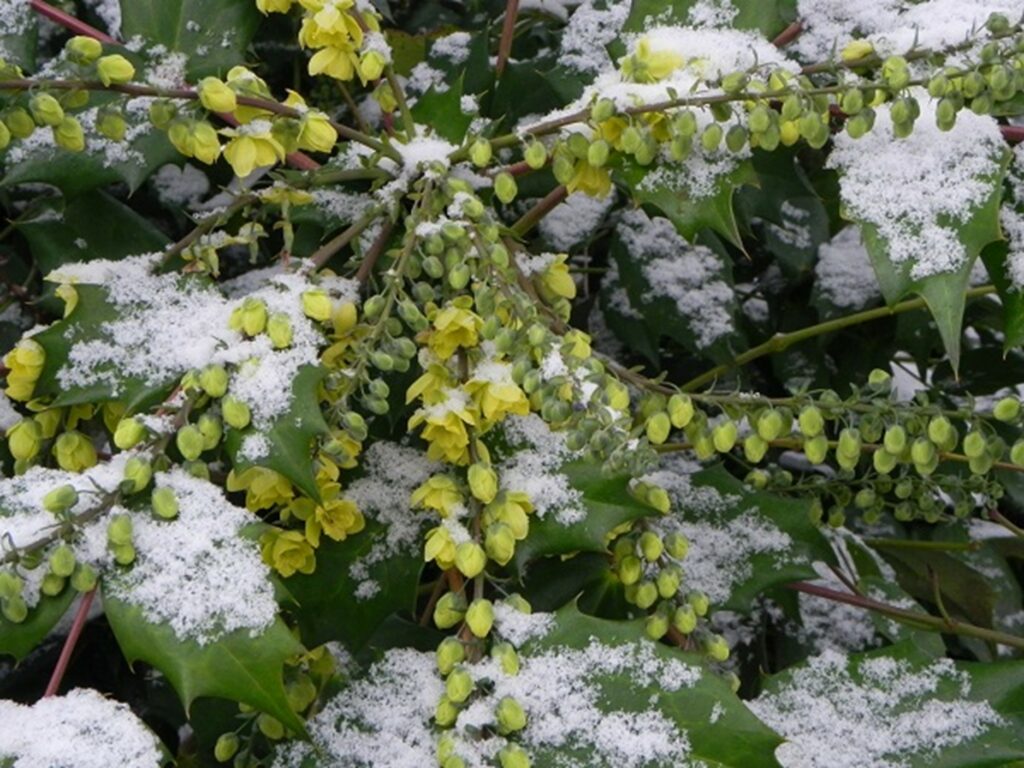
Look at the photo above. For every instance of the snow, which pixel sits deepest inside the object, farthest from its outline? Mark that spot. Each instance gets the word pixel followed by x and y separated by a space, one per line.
pixel 889 714
pixel 1011 216
pixel 918 189
pixel 183 186
pixel 109 12
pixel 82 728
pixel 688 275
pixel 844 275
pixel 575 220
pixel 592 26
pixel 454 47
pixel 196 572
pixel 558 8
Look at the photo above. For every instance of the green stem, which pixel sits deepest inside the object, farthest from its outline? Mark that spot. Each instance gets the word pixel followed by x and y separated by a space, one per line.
pixel 781 341
pixel 403 103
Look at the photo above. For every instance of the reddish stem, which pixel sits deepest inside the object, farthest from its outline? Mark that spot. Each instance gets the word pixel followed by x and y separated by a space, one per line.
pixel 1013 133
pixel 69 22
pixel 81 616
pixel 788 35
pixel 507 31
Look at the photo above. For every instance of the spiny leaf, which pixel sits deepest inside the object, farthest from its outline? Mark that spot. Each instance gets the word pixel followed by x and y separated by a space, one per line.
pixel 19 640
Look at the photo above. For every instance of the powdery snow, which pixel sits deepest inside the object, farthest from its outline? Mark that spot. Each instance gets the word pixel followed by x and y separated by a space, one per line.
pixel 82 728
pixel 918 189
pixel 844 275
pixel 895 712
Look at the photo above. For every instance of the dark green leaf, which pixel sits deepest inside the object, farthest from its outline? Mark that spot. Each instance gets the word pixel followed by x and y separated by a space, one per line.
pixel 291 436
pixel 19 640
pixel 767 16
pixel 443 111
pixel 994 256
pixel 236 666
pixel 214 33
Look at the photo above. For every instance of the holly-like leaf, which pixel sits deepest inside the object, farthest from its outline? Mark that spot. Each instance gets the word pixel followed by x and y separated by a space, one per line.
pixel 742 542
pixel 94 227
pixel 719 729
pixel 691 214
pixel 606 503
pixel 213 33
pixel 900 705
pixel 236 666
pixel 291 435
pixel 994 256
pixel 328 603
pixel 443 110
pixel 18 640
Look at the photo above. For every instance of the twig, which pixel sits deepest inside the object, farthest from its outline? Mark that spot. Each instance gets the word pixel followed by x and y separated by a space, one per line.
pixel 532 217
pixel 324 253
pixel 507 32
pixel 781 341
pixel 204 227
pixel 370 259
pixel 81 616
pixel 996 517
pixel 922 620
pixel 788 35
pixel 70 23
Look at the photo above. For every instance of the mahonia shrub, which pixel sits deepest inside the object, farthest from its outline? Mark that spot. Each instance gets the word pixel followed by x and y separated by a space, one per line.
pixel 541 383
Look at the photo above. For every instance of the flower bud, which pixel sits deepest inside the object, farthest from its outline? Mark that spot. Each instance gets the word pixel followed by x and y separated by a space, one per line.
pixel 480 152
pixel 449 653
pixel 52 584
pixel 74 452
pixel 658 428
pixel 216 96
pixel 513 756
pixel 124 554
pixel 316 305
pixel 24 440
pixel 659 499
pixel 879 379
pixel 505 188
pixel 137 474
pixel 483 482
pixel 684 619
pixel 62 561
pixel 129 433
pixel 716 648
pixel 236 413
pixel 1017 453
pixel 769 424
pixel 446 713
pixel 510 716
pixel 226 747
pixel 161 113
pixel 214 380
pixel 630 570
pixel 974 444
pixel 279 329
pixel 500 543
pixel 251 317
pixel 83 50
pixel 10 585
pixel 711 138
pixel 536 155
pixel 895 440
pixel 700 603
pixel 84 578
pixel 470 559
pixel 656 626
pixel 68 135
pixel 883 461
pixel 371 65
pixel 816 449
pixel 119 530
pixel 1007 409
pixel 211 429
pixel 505 654
pixel 165 503
pixel 190 442
pixel 677 545
pixel 668 582
pixel 270 727
pixel 724 436
pixel 480 617
pixel 646 595
pixel 449 611
pixel 60 499
pixel 114 69
pixel 651 546
pixel 459 685
pixel 856 50
pixel 15 610
pixel 46 110
pixel 811 421
pixel 922 451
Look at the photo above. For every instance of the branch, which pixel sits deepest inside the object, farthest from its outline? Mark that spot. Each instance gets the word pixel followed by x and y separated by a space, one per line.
pixel 507 31
pixel 922 620
pixel 205 226
pixel 81 616
pixel 324 253
pixel 70 23
pixel 781 341
pixel 788 35
pixel 532 217
pixel 370 259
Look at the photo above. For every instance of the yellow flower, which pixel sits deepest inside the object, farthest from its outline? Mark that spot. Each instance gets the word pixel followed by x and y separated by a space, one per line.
pixel 454 327
pixel 287 552
pixel 611 130
pixel 245 83
pixel 647 66
pixel 315 130
pixel 339 63
pixel 24 440
pixel 281 194
pixel 498 398
pixel 439 546
pixel 252 147
pixel 74 452
pixel 430 384
pixel 580 344
pixel 67 293
pixel 335 517
pixel 24 365
pixel 114 69
pixel 263 487
pixel 511 508
pixel 274 6
pixel 445 427
pixel 555 281
pixel 596 182
pixel 439 492
pixel 216 96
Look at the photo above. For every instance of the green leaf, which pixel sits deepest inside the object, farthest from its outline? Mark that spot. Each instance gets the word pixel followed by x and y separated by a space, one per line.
pixel 742 541
pixel 994 256
pixel 213 33
pixel 688 213
pixel 326 603
pixel 83 325
pixel 607 503
pixel 236 666
pixel 19 640
pixel 20 38
pixel 886 699
pixel 943 292
pixel 291 436
pixel 96 226
pixel 720 729
pixel 767 16
pixel 443 111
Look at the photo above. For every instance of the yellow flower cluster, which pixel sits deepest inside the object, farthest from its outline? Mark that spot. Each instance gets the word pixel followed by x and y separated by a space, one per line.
pixel 24 365
pixel 336 30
